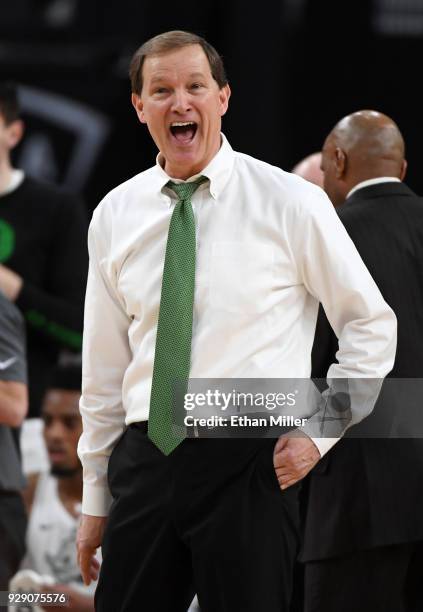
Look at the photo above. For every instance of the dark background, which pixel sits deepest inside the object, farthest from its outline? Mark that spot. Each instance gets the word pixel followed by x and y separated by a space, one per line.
pixel 295 68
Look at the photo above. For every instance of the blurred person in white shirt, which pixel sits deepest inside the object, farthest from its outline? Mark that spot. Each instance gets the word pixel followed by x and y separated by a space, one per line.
pixel 53 498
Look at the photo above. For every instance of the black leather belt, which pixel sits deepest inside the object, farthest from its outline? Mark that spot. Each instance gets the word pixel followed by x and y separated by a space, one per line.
pixel 217 432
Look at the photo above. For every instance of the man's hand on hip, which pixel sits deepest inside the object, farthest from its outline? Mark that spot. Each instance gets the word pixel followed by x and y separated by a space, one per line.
pixel 293 458
pixel 89 538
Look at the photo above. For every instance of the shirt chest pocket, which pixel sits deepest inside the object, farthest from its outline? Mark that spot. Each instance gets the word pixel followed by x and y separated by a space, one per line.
pixel 241 276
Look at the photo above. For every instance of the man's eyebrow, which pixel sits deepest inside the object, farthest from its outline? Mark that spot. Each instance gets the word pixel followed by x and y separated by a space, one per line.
pixel 159 78
pixel 62 415
pixel 197 75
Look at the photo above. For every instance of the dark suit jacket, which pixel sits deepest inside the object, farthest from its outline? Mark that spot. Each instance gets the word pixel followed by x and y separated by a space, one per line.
pixel 369 492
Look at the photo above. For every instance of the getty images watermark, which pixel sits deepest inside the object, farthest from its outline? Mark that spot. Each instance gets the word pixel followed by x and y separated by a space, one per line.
pixel 219 402
pixel 321 408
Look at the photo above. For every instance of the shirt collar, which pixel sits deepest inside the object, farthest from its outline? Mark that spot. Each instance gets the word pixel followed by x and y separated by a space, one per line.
pixel 374 181
pixel 217 171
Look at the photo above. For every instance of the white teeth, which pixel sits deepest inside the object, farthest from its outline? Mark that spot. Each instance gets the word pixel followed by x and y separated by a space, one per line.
pixel 182 123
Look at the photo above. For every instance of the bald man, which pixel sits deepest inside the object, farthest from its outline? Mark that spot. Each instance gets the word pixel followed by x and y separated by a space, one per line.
pixel 365 146
pixel 309 168
pixel 364 524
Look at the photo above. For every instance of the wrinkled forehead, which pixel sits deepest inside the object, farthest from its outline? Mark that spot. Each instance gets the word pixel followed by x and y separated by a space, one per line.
pixel 186 61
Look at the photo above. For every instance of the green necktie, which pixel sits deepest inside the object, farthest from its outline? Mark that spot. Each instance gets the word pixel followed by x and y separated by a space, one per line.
pixel 174 330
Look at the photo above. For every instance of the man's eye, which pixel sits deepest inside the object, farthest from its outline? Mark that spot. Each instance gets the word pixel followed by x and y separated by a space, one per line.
pixel 160 90
pixel 196 86
pixel 70 422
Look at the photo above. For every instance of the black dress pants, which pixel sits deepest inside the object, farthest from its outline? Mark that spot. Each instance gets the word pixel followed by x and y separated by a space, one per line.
pixel 384 579
pixel 208 519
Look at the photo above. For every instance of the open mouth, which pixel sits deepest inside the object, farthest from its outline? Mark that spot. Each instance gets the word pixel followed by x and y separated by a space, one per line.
pixel 183 131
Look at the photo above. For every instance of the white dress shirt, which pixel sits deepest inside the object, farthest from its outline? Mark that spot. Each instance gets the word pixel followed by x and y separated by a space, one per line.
pixel 270 246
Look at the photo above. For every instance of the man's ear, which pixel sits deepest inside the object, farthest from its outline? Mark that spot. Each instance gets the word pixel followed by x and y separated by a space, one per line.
pixel 137 103
pixel 340 163
pixel 15 132
pixel 224 95
pixel 404 167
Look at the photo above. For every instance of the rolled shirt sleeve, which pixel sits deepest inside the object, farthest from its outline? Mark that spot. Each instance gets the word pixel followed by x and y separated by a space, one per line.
pixel 106 356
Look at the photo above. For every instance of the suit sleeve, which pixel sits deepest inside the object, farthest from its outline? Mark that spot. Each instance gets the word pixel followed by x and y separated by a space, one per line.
pixel 325 346
pixel 56 309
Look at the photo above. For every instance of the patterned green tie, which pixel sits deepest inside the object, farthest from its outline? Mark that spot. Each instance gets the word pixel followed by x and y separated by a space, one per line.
pixel 174 330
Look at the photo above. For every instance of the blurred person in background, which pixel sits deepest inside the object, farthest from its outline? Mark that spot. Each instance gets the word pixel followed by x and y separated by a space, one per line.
pixel 13 408
pixel 363 543
pixel 164 507
pixel 43 267
pixel 53 498
pixel 309 168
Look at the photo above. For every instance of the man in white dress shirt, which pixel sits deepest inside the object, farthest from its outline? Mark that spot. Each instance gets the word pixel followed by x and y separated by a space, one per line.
pixel 268 247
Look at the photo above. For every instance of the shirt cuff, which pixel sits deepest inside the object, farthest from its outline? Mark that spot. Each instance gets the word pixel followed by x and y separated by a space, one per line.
pixel 96 501
pixel 324 444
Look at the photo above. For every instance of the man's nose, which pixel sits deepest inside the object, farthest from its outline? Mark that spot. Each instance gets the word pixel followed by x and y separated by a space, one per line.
pixel 181 101
pixel 55 430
